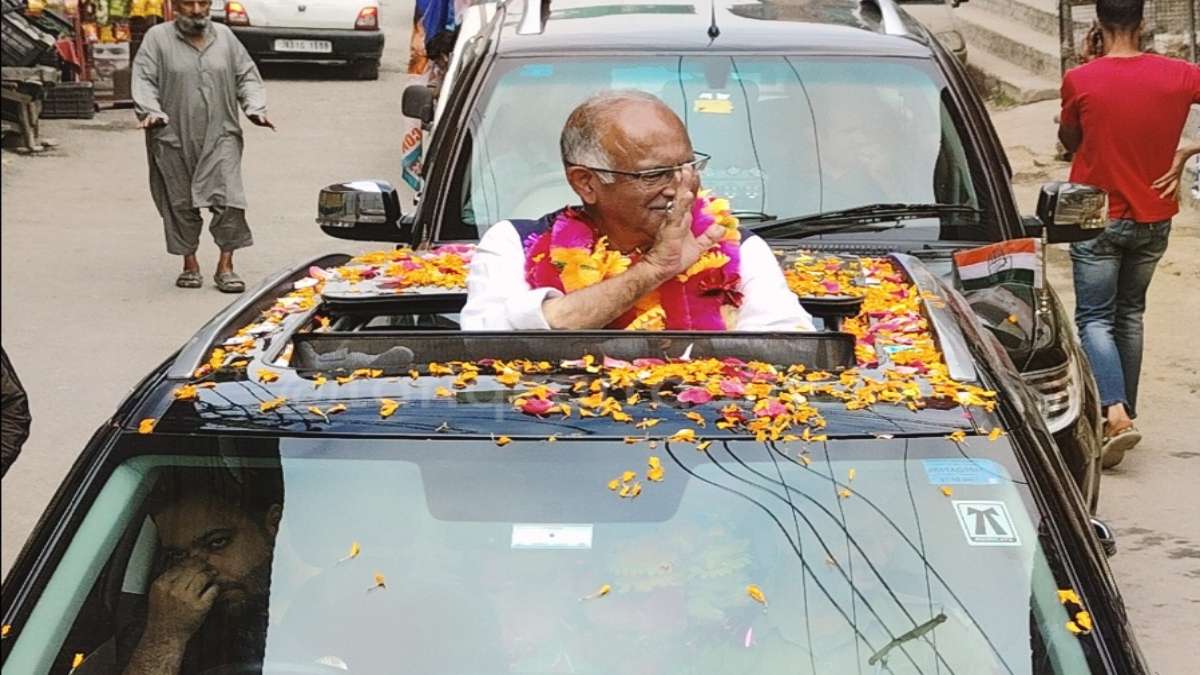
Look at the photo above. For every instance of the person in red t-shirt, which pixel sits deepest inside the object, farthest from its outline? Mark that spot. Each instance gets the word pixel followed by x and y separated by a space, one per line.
pixel 1123 112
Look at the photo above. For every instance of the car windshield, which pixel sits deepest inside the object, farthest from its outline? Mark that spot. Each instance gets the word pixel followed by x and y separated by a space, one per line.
pixel 458 556
pixel 788 136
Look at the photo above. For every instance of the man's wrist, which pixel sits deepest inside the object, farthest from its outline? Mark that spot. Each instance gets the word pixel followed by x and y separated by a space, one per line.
pixel 163 642
pixel 654 270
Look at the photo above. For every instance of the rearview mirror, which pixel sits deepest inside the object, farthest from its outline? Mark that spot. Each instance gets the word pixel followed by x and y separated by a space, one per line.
pixel 1071 212
pixel 362 210
pixel 418 102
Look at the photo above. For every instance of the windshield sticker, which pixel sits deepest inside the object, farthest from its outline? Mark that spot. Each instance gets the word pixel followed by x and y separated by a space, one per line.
pixel 713 103
pixel 964 472
pixel 986 523
pixel 542 536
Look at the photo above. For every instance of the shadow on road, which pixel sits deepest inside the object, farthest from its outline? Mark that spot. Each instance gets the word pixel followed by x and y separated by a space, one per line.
pixel 305 71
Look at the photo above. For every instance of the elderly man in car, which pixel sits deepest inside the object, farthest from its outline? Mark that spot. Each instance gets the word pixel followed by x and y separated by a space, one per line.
pixel 646 250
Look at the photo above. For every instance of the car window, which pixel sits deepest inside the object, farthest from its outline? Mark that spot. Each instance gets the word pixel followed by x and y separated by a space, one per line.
pixel 788 136
pixel 383 556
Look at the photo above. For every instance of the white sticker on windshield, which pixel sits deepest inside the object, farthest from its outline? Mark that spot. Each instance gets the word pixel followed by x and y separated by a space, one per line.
pixel 986 523
pixel 545 536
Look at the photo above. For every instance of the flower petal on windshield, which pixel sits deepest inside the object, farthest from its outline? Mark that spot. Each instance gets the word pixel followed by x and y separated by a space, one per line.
pixel 756 594
pixel 598 593
pixel 355 549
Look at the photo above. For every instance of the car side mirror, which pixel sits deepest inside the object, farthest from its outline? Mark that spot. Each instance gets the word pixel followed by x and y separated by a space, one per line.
pixel 418 102
pixel 1108 542
pixel 1070 212
pixel 362 210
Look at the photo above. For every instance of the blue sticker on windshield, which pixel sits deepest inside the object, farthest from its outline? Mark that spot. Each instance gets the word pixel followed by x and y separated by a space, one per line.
pixel 964 472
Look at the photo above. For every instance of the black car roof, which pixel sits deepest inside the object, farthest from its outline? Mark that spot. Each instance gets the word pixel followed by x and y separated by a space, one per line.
pixel 671 26
pixel 267 364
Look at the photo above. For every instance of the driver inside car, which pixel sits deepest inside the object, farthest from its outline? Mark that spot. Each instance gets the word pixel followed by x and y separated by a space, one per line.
pixel 207 608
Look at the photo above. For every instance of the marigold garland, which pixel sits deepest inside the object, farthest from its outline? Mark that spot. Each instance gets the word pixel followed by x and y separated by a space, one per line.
pixel 569 256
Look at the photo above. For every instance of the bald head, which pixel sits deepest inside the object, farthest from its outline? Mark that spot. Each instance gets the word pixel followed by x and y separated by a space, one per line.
pixel 610 127
pixel 624 153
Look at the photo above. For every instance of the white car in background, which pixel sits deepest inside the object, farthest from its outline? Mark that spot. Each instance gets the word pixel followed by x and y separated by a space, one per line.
pixel 308 30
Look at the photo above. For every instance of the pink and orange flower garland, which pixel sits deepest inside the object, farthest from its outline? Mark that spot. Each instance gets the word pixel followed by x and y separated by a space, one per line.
pixel 569 256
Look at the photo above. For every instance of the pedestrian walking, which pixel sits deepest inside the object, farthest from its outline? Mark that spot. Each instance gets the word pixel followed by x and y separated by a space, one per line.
pixel 190 77
pixel 1123 113
pixel 14 414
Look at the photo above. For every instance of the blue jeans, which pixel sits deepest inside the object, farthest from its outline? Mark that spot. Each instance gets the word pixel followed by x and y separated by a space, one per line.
pixel 1112 273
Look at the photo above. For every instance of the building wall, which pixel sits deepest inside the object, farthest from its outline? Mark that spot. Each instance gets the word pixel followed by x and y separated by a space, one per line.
pixel 1167 22
pixel 1170 16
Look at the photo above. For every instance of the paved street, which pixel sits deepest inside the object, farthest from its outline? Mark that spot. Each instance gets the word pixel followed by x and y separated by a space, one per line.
pixel 88 306
pixel 89 303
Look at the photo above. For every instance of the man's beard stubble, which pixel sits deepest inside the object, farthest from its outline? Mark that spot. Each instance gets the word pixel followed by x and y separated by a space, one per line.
pixel 191 25
pixel 254 596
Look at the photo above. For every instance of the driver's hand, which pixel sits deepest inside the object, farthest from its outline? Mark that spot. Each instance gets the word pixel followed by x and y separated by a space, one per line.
pixel 180 599
pixel 675 247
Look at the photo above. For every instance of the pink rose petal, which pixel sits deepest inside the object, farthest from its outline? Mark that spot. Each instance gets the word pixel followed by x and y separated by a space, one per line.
pixel 695 395
pixel 733 388
pixel 773 409
pixel 610 362
pixel 536 406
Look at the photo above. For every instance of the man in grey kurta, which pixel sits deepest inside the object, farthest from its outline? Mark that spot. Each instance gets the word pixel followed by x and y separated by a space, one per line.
pixel 190 77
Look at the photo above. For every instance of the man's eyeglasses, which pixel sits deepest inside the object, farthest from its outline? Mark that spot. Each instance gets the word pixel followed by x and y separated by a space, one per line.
pixel 655 177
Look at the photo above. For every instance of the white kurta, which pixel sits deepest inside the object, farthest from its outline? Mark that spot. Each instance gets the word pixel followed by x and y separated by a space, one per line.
pixel 499 298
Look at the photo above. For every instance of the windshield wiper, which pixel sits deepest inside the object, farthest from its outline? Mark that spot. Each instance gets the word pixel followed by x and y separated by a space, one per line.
pixel 757 216
pixel 881 655
pixel 871 217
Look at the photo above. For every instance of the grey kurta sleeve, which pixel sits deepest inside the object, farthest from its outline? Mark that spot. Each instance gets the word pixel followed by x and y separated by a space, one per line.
pixel 144 85
pixel 252 95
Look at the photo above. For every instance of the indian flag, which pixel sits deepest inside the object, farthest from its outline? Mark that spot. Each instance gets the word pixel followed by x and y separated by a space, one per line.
pixel 1017 261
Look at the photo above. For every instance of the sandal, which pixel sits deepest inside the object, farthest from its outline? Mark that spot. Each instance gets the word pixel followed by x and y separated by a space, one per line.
pixel 229 282
pixel 1115 446
pixel 189 279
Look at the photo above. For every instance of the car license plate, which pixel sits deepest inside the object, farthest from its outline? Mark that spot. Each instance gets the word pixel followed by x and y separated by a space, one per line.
pixel 307 46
